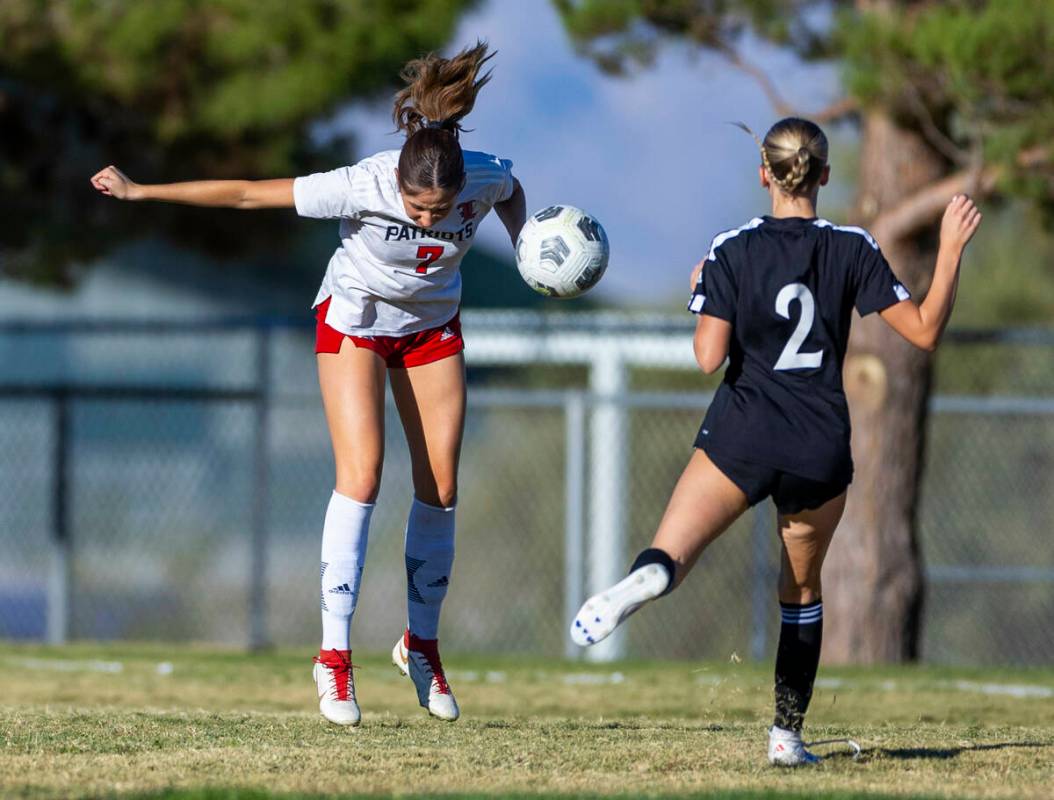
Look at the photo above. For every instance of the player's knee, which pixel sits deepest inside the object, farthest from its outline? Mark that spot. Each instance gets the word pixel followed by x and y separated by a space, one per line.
pixel 435 489
pixel 361 485
pixel 360 492
pixel 800 590
pixel 444 496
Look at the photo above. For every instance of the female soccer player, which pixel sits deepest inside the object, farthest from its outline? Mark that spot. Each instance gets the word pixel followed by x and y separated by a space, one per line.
pixel 775 296
pixel 388 303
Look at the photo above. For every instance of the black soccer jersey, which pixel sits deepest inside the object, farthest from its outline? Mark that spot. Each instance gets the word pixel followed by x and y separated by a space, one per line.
pixel 788 287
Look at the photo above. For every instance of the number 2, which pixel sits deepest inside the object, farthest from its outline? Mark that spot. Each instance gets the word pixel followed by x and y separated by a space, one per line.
pixel 791 357
pixel 430 254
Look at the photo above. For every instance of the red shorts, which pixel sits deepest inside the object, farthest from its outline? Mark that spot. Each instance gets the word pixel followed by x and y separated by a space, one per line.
pixel 412 350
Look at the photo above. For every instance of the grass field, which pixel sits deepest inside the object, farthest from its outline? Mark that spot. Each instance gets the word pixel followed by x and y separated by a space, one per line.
pixel 184 722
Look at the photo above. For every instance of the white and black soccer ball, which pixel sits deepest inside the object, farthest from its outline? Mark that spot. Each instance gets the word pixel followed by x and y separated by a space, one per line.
pixel 562 251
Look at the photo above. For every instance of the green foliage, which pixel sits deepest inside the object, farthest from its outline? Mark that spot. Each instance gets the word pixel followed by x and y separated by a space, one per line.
pixel 175 89
pixel 1007 279
pixel 973 76
pixel 620 33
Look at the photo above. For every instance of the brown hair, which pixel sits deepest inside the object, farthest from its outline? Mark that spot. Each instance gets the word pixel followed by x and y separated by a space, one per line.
pixel 440 92
pixel 794 154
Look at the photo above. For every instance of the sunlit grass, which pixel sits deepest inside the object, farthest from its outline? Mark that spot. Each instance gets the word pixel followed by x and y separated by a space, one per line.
pixel 185 722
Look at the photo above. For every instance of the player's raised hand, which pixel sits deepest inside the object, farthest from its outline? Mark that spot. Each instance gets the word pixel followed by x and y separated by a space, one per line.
pixel 114 183
pixel 697 270
pixel 961 220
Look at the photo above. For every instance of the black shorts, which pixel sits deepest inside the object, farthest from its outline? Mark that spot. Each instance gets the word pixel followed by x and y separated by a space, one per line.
pixel 791 493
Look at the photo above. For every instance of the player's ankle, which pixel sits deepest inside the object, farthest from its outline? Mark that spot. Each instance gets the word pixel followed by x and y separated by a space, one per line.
pixel 654 555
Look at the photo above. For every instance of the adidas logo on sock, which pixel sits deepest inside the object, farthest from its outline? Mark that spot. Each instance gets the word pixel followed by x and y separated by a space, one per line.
pixel 440 582
pixel 342 589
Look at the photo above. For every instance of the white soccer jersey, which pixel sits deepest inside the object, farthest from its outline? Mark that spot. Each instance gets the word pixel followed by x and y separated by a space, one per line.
pixel 390 277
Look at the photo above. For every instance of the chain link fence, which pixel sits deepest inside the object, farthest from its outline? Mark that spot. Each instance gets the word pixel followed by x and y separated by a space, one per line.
pixel 170 482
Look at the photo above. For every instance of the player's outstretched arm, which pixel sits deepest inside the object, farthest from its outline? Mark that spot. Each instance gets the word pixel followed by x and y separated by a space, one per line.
pixel 923 324
pixel 277 193
pixel 513 212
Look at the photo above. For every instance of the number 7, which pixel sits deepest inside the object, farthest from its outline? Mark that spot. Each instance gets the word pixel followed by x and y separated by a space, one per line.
pixel 430 254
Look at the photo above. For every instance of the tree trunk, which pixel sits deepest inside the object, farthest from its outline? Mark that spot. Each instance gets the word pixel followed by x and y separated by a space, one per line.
pixel 873 583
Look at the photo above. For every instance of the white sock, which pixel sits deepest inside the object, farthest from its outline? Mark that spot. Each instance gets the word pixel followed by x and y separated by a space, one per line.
pixel 344 539
pixel 429 557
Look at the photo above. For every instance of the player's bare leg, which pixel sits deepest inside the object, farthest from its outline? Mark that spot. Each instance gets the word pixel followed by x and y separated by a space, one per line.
pixel 352 384
pixel 703 505
pixel 431 403
pixel 805 538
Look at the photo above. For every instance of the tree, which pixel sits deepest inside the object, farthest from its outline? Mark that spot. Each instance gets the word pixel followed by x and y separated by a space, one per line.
pixel 948 96
pixel 176 89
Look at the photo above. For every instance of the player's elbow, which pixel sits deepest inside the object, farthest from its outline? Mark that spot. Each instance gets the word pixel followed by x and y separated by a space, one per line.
pixel 277 193
pixel 709 360
pixel 928 342
pixel 926 338
pixel 710 366
pixel 709 355
pixel 247 199
pixel 915 326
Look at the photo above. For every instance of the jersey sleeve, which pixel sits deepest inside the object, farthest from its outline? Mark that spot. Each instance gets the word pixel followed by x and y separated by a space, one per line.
pixel 877 288
pixel 492 174
pixel 715 292
pixel 507 183
pixel 339 193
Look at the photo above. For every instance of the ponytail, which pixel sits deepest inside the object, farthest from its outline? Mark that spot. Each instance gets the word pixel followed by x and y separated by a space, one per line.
pixel 439 94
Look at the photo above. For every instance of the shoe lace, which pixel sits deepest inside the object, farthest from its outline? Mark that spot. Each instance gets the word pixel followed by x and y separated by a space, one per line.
pixel 435 666
pixel 340 678
pixel 846 741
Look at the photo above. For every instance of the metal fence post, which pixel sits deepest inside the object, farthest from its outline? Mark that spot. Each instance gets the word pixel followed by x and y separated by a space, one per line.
pixel 607 467
pixel 761 592
pixel 61 571
pixel 574 508
pixel 258 558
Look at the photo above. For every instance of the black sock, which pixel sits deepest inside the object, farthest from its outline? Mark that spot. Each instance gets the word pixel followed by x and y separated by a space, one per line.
pixel 797 658
pixel 653 555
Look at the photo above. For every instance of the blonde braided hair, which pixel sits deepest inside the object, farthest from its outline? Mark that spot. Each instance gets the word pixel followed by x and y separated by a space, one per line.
pixel 794 154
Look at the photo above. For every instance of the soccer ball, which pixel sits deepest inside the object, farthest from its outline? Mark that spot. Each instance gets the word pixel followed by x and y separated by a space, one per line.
pixel 562 251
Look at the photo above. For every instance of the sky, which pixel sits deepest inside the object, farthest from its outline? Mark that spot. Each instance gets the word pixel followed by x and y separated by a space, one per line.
pixel 650 155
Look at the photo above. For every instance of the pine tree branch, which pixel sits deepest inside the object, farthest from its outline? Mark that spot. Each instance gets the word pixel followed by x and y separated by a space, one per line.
pixel 836 111
pixel 931 131
pixel 832 113
pixel 925 206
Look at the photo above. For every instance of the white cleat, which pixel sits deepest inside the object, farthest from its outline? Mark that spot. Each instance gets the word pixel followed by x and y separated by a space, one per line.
pixel 418 659
pixel 336 687
pixel 786 749
pixel 604 612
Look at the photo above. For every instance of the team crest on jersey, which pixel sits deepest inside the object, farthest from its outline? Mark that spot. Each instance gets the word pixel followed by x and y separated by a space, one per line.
pixel 468 210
